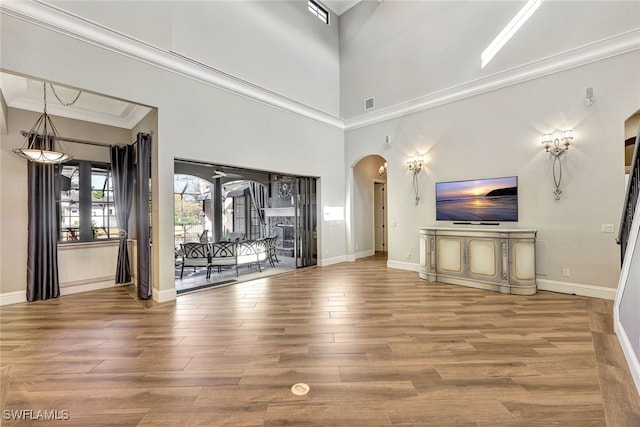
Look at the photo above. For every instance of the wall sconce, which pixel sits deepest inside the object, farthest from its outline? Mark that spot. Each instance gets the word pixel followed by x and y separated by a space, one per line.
pixel 383 169
pixel 557 145
pixel 415 163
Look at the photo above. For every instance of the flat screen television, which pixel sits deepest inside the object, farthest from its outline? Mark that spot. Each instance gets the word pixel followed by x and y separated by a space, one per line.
pixel 483 200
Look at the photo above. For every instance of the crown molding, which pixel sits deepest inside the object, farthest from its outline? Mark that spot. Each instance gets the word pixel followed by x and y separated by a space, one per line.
pixel 606 48
pixel 130 117
pixel 55 19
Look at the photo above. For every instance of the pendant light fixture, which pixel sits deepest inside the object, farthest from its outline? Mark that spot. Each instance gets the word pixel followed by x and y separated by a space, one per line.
pixel 42 144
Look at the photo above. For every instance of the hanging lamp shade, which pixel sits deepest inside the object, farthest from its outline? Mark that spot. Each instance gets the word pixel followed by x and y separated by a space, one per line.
pixel 42 144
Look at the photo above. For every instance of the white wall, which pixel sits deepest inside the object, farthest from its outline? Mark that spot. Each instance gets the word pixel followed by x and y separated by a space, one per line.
pixel 397 51
pixel 195 121
pixel 277 45
pixel 498 134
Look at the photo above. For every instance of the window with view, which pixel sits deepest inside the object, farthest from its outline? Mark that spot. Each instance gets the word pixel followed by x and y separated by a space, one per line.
pixel 319 11
pixel 86 206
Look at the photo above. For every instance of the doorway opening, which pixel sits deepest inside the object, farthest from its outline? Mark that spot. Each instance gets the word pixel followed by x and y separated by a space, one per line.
pixel 380 217
pixel 233 224
pixel 369 192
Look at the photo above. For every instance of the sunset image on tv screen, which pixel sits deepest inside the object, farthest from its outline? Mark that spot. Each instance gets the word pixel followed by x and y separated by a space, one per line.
pixel 493 199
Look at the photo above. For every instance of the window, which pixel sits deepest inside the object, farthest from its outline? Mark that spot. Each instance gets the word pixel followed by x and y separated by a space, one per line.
pixel 239 218
pixel 85 205
pixel 318 11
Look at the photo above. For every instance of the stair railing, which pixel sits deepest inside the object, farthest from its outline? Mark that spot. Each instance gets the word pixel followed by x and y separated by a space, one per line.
pixel 630 201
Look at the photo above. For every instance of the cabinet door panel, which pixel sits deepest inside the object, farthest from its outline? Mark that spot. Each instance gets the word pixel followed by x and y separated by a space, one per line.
pixel 482 257
pixel 449 254
pixel 524 261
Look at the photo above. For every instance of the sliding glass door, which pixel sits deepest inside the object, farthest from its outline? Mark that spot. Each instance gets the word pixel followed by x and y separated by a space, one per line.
pixel 306 252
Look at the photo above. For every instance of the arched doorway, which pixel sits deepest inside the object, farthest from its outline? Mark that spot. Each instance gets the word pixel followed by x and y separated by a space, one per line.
pixel 369 218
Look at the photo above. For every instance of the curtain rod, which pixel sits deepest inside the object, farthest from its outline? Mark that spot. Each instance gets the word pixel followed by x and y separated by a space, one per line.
pixel 80 141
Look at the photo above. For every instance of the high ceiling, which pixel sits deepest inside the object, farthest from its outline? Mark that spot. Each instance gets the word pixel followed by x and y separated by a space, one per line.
pixel 27 94
pixel 433 45
pixel 340 6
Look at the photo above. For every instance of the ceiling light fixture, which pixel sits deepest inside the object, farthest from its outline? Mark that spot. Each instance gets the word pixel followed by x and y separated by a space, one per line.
pixel 508 31
pixel 40 142
pixel 382 170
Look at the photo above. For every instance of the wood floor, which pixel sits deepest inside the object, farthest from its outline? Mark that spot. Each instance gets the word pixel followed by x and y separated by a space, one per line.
pixel 376 346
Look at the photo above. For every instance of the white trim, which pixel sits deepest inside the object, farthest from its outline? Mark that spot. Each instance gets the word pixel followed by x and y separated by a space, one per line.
pixel 333 260
pixel 401 265
pixel 55 19
pixel 164 295
pixel 625 343
pixel 14 297
pixel 629 353
pixel 597 51
pixel 129 118
pixel 364 254
pixel 90 282
pixel 576 288
pixel 69 289
pixel 60 21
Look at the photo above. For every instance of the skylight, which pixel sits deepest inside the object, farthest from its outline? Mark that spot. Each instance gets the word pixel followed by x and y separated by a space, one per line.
pixel 508 31
pixel 319 11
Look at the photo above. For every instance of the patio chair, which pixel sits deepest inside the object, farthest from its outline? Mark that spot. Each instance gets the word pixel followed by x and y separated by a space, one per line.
pixel 271 250
pixel 223 254
pixel 195 254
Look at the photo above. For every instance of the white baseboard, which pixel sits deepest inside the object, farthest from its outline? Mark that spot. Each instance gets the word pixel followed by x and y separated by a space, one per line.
pixel 577 289
pixel 330 261
pixel 629 352
pixel 364 254
pixel 401 265
pixel 68 288
pixel 14 297
pixel 164 295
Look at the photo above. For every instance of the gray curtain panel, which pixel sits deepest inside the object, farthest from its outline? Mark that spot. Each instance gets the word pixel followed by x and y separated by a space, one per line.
pixel 123 175
pixel 42 247
pixel 143 229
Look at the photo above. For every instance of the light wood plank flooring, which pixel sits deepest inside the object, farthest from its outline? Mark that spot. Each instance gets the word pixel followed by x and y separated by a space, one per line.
pixel 377 347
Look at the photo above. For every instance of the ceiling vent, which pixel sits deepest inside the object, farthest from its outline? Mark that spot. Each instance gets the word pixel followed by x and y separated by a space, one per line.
pixel 369 103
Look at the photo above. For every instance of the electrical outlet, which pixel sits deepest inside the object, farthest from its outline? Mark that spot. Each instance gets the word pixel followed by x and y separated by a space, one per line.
pixel 566 272
pixel 357 247
pixel 408 255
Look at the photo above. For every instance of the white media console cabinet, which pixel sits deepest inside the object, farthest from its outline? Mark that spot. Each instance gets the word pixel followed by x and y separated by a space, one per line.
pixel 501 260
